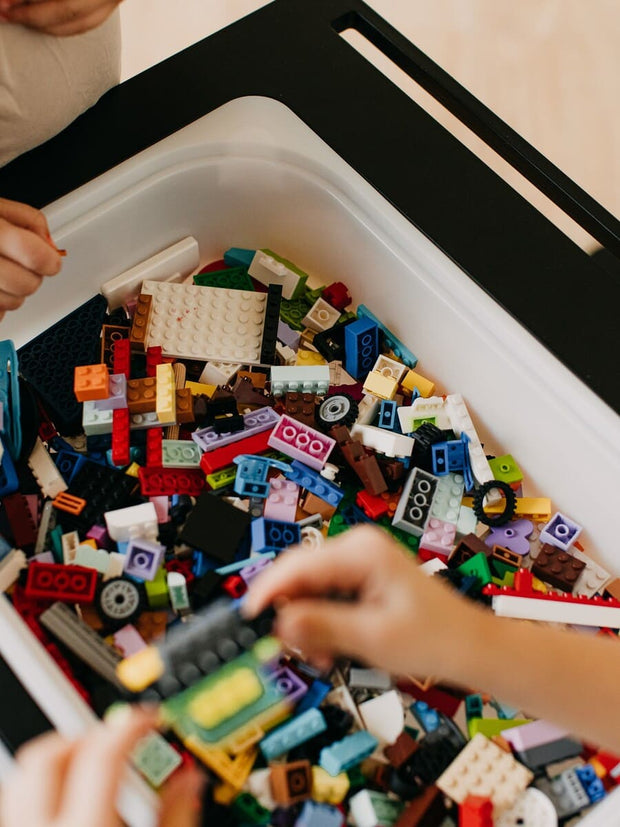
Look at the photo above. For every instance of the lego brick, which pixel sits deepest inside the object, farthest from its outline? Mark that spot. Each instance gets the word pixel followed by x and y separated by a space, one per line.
pixel 371 808
pixel 143 558
pixel 347 753
pixel 447 498
pixel 96 422
pixel 300 406
pixel 20 519
pixel 138 336
pixel 534 734
pixel 215 527
pixel 45 471
pixel 69 584
pixel 384 387
pixel 327 789
pixel 165 405
pixel 216 324
pixel 309 358
pixel 566 793
pixel 219 373
pixel 121 358
pixel 385 442
pixel 532 807
pixel 321 316
pixel 153 358
pixel 180 453
pixel 269 268
pixel 310 480
pixel 83 641
pixel 414 506
pixel 117 394
pixel 532 508
pixel 232 278
pixel 301 442
pixel 222 457
pixel 271 535
pixel 505 469
pixel 427 810
pixel 577 611
pixel 142 395
pixel 299 379
pixel 431 410
pixel 91 558
pixel 399 350
pixel 48 361
pixel 539 757
pixel 168 481
pixel 319 815
pixel 593 579
pixel 390 368
pixel 155 759
pixel 291 782
pixel 484 769
pixel 255 422
pixel 361 341
pixel 10 567
pixel 281 502
pixel 413 381
pixel 249 811
pixel 560 531
pixel 460 422
pixel 91 382
pixel 558 568
pixel 134 521
pixel 120 437
pixel 110 334
pixel 383 716
pixel 299 729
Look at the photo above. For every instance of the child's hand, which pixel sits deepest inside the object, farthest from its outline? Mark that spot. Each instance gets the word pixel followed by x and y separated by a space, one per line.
pixel 398 620
pixel 59 782
pixel 58 17
pixel 26 253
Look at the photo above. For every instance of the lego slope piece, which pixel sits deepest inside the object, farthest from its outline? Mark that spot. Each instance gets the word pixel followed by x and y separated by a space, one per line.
pixel 271 269
pixel 483 769
pixel 210 323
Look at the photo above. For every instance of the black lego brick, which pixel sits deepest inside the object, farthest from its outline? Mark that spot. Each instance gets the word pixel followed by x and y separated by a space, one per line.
pixel 215 527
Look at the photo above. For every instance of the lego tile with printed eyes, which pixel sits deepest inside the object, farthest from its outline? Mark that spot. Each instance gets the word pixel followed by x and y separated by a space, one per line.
pixel 301 442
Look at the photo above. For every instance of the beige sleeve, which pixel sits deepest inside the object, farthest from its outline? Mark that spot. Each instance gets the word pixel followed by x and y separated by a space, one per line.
pixel 47 81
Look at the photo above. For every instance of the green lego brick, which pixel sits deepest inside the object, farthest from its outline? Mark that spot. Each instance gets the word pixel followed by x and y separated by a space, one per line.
pixel 292 311
pixel 247 809
pixel 313 295
pixel 223 477
pixel 422 420
pixel 493 726
pixel 234 278
pixel 180 453
pixel 156 759
pixel 56 541
pixel 407 540
pixel 507 580
pixel 477 566
pixel 356 777
pixel 157 590
pixel 506 469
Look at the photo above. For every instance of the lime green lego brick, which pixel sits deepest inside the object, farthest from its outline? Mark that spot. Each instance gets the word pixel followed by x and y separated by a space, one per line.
pixel 506 469
pixel 346 316
pixel 300 289
pixel 477 566
pixel 156 759
pixel 507 580
pixel 313 295
pixel 222 478
pixel 423 420
pixel 157 590
pixel 234 278
pixel 493 726
pixel 501 569
pixel 247 809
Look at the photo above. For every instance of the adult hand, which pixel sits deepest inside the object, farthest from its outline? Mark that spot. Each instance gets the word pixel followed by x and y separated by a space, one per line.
pixel 27 253
pixel 58 17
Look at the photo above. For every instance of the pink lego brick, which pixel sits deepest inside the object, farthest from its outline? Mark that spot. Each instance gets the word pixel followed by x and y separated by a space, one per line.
pixel 301 442
pixel 281 504
pixel 439 536
pixel 533 735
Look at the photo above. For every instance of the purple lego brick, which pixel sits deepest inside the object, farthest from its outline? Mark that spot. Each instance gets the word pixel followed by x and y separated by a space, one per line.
pixel 248 573
pixel 99 534
pixel 143 558
pixel 512 536
pixel 255 422
pixel 301 442
pixel 281 504
pixel 560 532
pixel 532 735
pixel 118 394
pixel 288 336
pixel 289 684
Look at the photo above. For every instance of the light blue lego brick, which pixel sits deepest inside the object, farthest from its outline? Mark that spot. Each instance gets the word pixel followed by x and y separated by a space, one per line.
pixel 315 696
pixel 361 347
pixel 247 561
pixel 319 815
pixel 428 718
pixel 396 346
pixel 238 257
pixel 447 498
pixel 388 418
pixel 294 732
pixel 345 754
pixel 312 481
pixel 180 453
pixel 274 535
pixel 252 471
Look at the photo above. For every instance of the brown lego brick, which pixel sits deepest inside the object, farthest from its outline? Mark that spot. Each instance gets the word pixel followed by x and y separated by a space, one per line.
pixel 466 549
pixel 506 556
pixel 311 504
pixel 140 324
pixel 427 810
pixel 184 406
pixel 301 406
pixel 291 782
pixel 557 568
pixel 142 395
pixel 364 464
pixel 257 378
pixel 402 749
pixel 110 334
pixel 151 625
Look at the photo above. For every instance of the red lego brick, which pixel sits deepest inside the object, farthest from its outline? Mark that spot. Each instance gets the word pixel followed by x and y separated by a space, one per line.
pixel 164 482
pixel 121 355
pixel 476 811
pixel 435 696
pixel 154 441
pixel 121 442
pixel 221 457
pixel 372 506
pixel 337 294
pixel 183 566
pixel 153 358
pixel 235 586
pixel 54 581
pixel 20 519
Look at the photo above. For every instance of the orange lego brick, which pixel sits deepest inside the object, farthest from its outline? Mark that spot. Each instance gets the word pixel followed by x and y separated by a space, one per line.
pixel 91 382
pixel 140 325
pixel 142 395
pixel 185 407
pixel 69 503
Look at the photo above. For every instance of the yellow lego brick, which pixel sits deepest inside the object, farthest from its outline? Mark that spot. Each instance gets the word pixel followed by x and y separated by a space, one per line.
pixel 224 794
pixel 309 357
pixel 213 706
pixel 328 789
pixel 533 508
pixel 415 380
pixel 377 384
pixel 132 470
pixel 89 542
pixel 166 394
pixel 201 389
pixel 233 771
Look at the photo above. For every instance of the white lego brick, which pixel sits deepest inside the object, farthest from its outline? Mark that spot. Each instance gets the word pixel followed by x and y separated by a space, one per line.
pixel 432 407
pixel 383 716
pixel 370 808
pixel 312 538
pixel 172 264
pixel 556 611
pixel 360 678
pixel 268 270
pixel 461 423
pixel 385 442
pixel 300 379
pixel 210 323
pixel 390 368
pixel 466 522
pixel 116 565
pixel 140 422
pixel 532 808
pixel 368 408
pixel 135 521
pixel 321 316
pixel 219 373
pixel 286 354
pixel 10 567
pixel 592 579
pixel 259 785
pixel 483 769
pixel 70 543
pixel 45 472
pixel 96 422
pixel 433 566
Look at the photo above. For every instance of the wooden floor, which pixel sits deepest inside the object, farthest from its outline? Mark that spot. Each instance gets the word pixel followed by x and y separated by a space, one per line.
pixel 550 68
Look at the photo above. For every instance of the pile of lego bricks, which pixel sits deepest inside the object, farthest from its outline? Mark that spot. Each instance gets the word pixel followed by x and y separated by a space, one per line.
pixel 173 447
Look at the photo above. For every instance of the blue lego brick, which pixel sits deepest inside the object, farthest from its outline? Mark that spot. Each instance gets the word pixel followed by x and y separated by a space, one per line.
pixel 48 361
pixel 590 782
pixel 345 754
pixel 201 564
pixel 399 350
pixel 238 257
pixel 319 815
pixel 273 535
pixel 294 732
pixel 315 696
pixel 428 718
pixel 252 471
pixel 9 482
pixel 361 344
pixel 388 417
pixel 312 481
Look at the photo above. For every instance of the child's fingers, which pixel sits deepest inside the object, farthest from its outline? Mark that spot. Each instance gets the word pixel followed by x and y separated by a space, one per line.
pixel 344 564
pixel 181 799
pixel 28 249
pixel 24 216
pixel 81 24
pixel 8 301
pixel 17 280
pixel 51 14
pixel 102 756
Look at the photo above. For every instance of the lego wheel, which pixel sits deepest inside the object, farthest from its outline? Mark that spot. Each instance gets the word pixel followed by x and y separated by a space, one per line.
pixel 339 409
pixel 119 601
pixel 510 503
